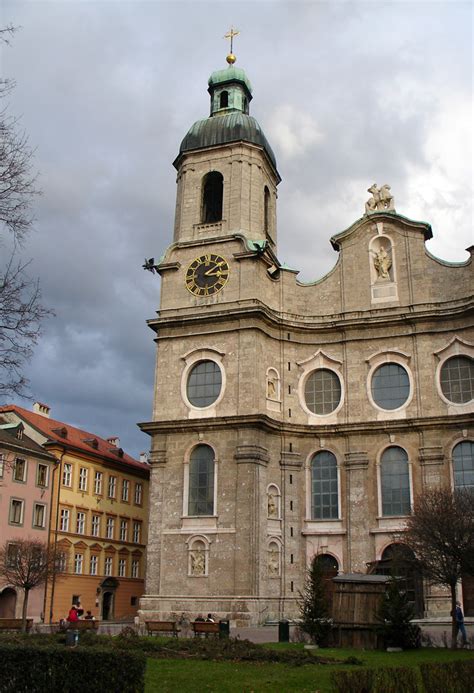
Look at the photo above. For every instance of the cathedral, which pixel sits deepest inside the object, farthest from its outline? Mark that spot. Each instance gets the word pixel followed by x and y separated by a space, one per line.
pixel 294 420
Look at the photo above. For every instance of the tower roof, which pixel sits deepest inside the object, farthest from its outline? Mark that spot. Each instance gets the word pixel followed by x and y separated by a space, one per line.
pixel 229 74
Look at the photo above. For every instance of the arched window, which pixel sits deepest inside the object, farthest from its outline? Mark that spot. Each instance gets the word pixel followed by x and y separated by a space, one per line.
pixel 395 482
pixel 463 465
pixel 224 99
pixel 398 560
pixel 266 210
pixel 201 481
pixel 324 491
pixel 212 191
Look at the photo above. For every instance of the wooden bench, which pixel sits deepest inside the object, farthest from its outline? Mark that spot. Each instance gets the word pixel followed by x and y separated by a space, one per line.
pixel 205 628
pixel 84 624
pixel 162 627
pixel 15 624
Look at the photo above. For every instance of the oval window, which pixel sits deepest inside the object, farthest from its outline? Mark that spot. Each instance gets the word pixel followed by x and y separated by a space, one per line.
pixel 390 386
pixel 322 392
pixel 457 376
pixel 204 383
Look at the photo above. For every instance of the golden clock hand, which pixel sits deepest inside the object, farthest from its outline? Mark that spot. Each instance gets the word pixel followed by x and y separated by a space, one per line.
pixel 210 273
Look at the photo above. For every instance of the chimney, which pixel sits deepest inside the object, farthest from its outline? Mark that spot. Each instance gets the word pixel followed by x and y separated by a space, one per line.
pixel 115 441
pixel 144 457
pixel 42 409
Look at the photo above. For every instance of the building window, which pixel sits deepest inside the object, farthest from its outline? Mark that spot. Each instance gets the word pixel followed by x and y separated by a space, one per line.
pixel 93 565
pixel 83 479
pixel 212 194
pixel 457 379
pixel 137 532
pixel 98 483
pixel 112 486
pixel 95 528
pixel 322 392
pixel 78 563
pixel 108 566
pixel 67 474
pixel 138 494
pixel 135 568
pixel 80 522
pixel 324 487
pixel 16 511
pixel 390 386
pixel 64 521
pixel 61 562
pixel 19 470
pixel 201 481
pixel 125 490
pixel 122 567
pixel 224 99
pixel 204 384
pixel 2 465
pixel 39 515
pixel 123 530
pixel 109 530
pixel 13 556
pixel 266 210
pixel 395 482
pixel 463 465
pixel 42 475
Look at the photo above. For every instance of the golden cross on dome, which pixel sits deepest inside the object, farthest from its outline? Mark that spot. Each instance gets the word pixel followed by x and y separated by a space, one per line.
pixel 230 36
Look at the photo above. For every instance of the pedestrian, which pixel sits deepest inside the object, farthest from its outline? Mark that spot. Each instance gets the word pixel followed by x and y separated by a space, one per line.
pixel 209 618
pixel 79 610
pixel 460 627
pixel 72 616
pixel 89 616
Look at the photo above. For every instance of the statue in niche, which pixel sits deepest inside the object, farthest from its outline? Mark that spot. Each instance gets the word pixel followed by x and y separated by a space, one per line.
pixel 198 562
pixel 272 387
pixel 272 506
pixel 273 562
pixel 381 201
pixel 382 263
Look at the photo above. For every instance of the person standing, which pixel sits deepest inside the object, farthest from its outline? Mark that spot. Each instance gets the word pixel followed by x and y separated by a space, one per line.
pixel 460 627
pixel 72 615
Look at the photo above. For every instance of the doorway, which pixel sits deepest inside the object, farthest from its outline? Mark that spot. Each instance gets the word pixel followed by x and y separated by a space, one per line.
pixel 107 606
pixel 8 603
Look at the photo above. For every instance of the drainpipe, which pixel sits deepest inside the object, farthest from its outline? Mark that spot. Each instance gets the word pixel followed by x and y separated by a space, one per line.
pixel 53 585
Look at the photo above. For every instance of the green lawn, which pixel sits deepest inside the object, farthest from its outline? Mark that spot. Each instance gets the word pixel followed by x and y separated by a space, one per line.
pixel 190 676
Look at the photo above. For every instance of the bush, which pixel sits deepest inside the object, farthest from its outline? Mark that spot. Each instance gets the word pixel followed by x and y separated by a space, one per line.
pixel 78 670
pixel 395 615
pixel 387 680
pixel 452 677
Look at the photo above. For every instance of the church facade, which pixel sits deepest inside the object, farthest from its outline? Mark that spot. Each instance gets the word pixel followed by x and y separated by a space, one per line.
pixel 291 419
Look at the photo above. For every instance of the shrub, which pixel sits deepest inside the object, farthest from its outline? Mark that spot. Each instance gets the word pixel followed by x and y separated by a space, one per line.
pixel 395 614
pixel 452 677
pixel 78 670
pixel 314 606
pixel 386 680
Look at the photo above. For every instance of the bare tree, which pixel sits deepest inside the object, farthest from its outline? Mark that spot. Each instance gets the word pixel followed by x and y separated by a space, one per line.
pixel 441 533
pixel 21 311
pixel 26 564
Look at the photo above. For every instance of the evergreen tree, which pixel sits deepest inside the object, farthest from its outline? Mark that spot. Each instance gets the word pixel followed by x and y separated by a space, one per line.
pixel 395 614
pixel 314 609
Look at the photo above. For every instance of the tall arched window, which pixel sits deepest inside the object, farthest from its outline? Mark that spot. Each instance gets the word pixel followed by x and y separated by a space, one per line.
pixel 266 210
pixel 463 465
pixel 212 191
pixel 201 481
pixel 395 482
pixel 324 491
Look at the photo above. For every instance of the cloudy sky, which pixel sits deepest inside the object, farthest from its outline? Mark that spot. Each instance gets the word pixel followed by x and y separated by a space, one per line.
pixel 348 93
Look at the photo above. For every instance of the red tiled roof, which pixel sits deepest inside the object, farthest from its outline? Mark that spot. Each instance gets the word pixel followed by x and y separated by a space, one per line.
pixel 75 437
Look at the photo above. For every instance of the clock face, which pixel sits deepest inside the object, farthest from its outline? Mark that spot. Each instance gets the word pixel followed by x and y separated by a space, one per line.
pixel 206 275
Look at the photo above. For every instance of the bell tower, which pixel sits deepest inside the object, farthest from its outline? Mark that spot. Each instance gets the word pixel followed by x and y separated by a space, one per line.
pixel 227 175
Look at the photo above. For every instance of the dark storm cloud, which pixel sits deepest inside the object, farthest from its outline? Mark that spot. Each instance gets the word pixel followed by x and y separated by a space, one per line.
pixel 347 93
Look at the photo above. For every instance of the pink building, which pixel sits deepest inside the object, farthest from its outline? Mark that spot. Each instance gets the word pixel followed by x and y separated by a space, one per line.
pixel 25 501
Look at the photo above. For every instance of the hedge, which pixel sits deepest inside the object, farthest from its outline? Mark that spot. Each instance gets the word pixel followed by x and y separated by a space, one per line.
pixel 26 668
pixel 452 677
pixel 386 680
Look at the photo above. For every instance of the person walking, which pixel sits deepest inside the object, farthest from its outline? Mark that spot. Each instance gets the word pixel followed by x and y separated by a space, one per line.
pixel 460 627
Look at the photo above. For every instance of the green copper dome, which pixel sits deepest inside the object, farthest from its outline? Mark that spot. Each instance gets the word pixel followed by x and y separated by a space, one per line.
pixel 229 121
pixel 230 74
pixel 233 127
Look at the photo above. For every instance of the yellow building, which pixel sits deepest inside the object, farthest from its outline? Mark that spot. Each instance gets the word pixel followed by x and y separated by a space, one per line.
pixel 98 521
